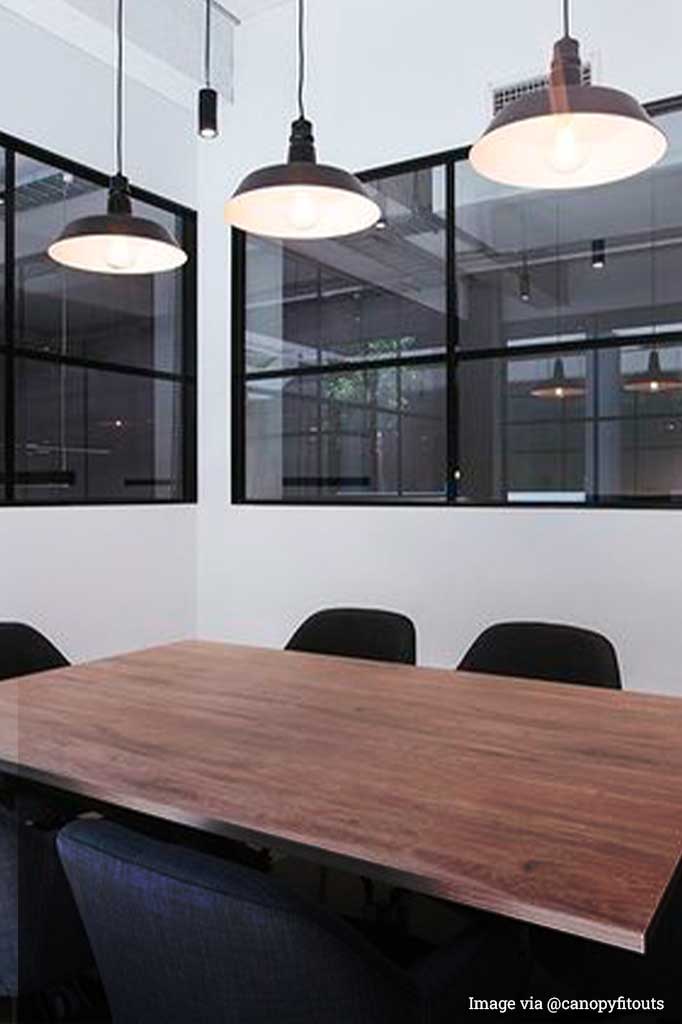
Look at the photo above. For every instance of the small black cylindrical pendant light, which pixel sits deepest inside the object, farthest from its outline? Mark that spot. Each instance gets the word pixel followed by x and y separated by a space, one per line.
pixel 524 281
pixel 117 242
pixel 598 254
pixel 208 96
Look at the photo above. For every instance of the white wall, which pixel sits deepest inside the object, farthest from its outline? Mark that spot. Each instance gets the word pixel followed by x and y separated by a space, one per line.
pixel 389 80
pixel 96 580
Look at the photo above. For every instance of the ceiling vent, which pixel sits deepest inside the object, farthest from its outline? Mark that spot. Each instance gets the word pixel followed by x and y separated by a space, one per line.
pixel 50 189
pixel 505 94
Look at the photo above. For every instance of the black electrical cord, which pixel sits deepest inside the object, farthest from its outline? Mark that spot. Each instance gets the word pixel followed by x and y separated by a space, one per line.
pixel 207 46
pixel 301 58
pixel 119 90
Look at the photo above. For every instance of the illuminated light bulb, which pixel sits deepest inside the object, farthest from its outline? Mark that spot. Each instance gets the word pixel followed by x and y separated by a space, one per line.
pixel 121 253
pixel 568 153
pixel 654 386
pixel 559 392
pixel 304 211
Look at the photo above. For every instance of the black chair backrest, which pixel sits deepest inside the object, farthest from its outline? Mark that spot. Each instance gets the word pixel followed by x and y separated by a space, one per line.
pixel 358 633
pixel 544 650
pixel 179 936
pixel 24 650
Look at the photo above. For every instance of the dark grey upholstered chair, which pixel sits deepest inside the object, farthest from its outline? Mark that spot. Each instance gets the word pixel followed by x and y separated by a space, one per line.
pixel 358 633
pixel 179 936
pixel 42 941
pixel 576 968
pixel 544 650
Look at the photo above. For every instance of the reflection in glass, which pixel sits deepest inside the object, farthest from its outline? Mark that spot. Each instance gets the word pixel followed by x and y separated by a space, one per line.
pixel 95 435
pixel 130 320
pixel 350 435
pixel 96 367
pixel 380 294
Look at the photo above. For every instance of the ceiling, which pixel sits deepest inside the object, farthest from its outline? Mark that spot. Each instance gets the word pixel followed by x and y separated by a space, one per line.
pixel 244 9
pixel 180 42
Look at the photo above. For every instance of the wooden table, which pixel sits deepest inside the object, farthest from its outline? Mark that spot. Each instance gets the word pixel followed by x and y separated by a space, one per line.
pixel 553 804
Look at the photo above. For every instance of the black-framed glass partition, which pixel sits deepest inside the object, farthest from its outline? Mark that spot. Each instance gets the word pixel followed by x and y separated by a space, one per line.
pixel 97 371
pixel 482 345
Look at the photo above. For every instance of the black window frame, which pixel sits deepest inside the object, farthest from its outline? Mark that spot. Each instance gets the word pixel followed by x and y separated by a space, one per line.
pixel 186 378
pixel 448 159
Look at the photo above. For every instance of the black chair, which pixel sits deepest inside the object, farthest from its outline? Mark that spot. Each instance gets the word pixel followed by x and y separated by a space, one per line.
pixel 544 650
pixel 179 936
pixel 43 946
pixel 369 633
pixel 357 633
pixel 24 650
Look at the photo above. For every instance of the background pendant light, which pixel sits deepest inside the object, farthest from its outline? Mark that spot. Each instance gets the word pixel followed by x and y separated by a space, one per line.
pixel 117 242
pixel 655 380
pixel 301 198
pixel 598 254
pixel 559 387
pixel 524 281
pixel 569 135
pixel 208 97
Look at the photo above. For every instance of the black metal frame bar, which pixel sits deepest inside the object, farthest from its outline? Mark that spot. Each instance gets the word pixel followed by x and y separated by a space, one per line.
pixel 10 352
pixel 452 355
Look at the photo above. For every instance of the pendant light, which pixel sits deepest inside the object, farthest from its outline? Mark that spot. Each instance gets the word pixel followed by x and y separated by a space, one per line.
pixel 559 387
pixel 301 199
pixel 208 97
pixel 656 380
pixel 117 242
pixel 598 254
pixel 569 135
pixel 524 280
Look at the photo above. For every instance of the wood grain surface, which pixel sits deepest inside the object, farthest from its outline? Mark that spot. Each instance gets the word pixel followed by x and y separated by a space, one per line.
pixel 553 804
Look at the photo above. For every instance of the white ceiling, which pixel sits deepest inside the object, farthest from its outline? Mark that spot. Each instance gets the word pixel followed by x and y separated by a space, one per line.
pixel 244 9
pixel 173 31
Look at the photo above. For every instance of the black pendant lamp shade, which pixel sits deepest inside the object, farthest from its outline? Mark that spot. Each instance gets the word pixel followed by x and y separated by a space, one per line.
pixel 208 96
pixel 560 386
pixel 117 242
pixel 569 135
pixel 301 198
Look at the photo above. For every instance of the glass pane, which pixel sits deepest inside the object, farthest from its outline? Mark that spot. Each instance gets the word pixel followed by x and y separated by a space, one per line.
pixel 573 265
pixel 605 425
pixel 3 446
pixel 378 294
pixel 352 435
pixel 639 440
pixel 93 435
pixel 3 338
pixel 523 430
pixel 130 320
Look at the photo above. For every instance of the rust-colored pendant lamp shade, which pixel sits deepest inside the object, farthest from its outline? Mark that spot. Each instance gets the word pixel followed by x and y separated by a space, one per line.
pixel 656 380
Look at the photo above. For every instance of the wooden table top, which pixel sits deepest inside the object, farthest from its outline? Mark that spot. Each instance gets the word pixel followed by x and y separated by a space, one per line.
pixel 554 804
